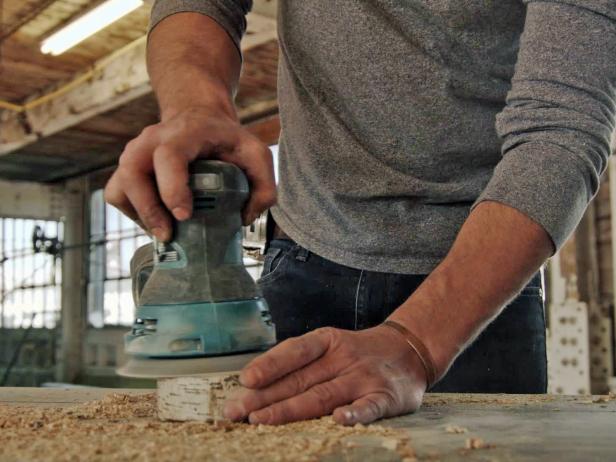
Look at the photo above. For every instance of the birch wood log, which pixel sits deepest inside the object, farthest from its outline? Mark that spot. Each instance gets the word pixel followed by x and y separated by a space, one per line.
pixel 197 397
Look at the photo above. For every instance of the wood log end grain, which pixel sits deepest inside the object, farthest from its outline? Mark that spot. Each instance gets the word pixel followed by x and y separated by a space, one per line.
pixel 197 397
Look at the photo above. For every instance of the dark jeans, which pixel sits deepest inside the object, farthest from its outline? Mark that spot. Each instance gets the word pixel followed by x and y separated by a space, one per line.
pixel 305 291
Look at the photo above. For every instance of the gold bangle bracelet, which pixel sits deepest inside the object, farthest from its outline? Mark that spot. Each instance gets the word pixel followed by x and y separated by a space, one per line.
pixel 419 348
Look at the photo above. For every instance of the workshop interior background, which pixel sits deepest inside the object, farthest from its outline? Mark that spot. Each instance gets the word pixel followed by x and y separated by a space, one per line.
pixel 65 292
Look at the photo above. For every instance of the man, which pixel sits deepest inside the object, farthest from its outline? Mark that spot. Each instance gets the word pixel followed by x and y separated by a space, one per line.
pixel 422 181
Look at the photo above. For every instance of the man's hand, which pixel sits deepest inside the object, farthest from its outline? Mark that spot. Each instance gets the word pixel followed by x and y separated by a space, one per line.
pixel 358 376
pixel 152 177
pixel 194 68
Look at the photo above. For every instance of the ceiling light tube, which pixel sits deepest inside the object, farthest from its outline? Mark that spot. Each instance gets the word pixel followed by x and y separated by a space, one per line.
pixel 88 25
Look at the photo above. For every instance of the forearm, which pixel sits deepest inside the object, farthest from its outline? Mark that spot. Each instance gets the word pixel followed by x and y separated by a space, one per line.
pixel 496 252
pixel 556 129
pixel 192 61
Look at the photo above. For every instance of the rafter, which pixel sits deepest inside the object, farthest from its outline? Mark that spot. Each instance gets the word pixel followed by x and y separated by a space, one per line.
pixel 111 83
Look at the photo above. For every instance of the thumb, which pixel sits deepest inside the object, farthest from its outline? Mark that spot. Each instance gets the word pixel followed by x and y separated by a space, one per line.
pixel 364 410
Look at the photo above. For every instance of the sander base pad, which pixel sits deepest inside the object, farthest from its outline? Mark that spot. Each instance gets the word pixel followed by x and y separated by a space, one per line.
pixel 151 368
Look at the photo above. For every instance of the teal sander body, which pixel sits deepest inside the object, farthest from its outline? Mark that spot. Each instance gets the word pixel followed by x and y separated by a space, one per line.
pixel 198 310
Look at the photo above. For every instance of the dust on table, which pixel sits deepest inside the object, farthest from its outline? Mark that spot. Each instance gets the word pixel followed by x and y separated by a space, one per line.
pixel 124 427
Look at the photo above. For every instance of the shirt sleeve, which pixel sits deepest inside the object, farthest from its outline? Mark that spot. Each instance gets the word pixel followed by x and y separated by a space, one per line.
pixel 230 14
pixel 559 117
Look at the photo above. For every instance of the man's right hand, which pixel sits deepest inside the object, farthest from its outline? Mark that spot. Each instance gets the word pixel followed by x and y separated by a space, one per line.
pixel 152 178
pixel 194 68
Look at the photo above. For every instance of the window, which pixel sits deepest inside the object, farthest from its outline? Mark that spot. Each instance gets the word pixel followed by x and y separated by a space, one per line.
pixel 274 149
pixel 114 239
pixel 30 280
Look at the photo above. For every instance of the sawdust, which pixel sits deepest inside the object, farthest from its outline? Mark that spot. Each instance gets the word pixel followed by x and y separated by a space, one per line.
pixel 455 429
pixel 432 400
pixel 600 399
pixel 124 427
pixel 476 443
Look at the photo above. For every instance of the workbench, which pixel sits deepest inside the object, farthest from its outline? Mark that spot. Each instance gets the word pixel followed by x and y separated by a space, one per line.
pixel 512 427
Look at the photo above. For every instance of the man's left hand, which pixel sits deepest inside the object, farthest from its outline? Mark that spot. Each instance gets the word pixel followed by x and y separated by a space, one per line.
pixel 358 376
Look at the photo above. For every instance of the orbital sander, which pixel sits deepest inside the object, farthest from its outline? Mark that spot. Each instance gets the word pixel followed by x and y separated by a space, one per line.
pixel 198 310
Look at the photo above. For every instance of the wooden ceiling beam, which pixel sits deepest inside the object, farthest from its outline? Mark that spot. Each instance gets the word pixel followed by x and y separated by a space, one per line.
pixel 23 18
pixel 111 83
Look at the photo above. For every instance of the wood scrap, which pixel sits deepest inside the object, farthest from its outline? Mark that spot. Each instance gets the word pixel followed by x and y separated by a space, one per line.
pixel 476 443
pixel 200 397
pixel 455 429
pixel 605 398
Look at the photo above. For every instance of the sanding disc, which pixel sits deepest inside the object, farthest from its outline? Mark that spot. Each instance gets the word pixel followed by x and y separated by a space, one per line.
pixel 150 368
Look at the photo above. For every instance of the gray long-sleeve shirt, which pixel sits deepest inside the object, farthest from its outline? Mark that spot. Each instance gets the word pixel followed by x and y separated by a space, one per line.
pixel 398 116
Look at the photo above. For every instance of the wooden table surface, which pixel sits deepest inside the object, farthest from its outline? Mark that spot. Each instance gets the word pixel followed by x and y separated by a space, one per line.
pixel 515 427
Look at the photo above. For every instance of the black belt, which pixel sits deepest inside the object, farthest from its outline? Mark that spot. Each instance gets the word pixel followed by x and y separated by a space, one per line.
pixel 279 233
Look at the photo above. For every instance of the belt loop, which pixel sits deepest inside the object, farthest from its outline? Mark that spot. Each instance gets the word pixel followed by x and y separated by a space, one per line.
pixel 302 255
pixel 270 224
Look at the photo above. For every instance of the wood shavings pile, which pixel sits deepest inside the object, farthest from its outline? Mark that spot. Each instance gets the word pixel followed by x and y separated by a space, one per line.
pixel 124 427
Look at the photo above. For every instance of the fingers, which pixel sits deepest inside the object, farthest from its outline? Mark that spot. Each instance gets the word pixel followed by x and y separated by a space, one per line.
pixel 359 376
pixel 115 196
pixel 152 178
pixel 319 400
pixel 142 194
pixel 286 357
pixel 248 400
pixel 132 188
pixel 171 167
pixel 255 159
pixel 364 410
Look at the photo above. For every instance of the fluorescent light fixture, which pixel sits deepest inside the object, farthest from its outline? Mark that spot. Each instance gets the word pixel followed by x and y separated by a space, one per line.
pixel 88 25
